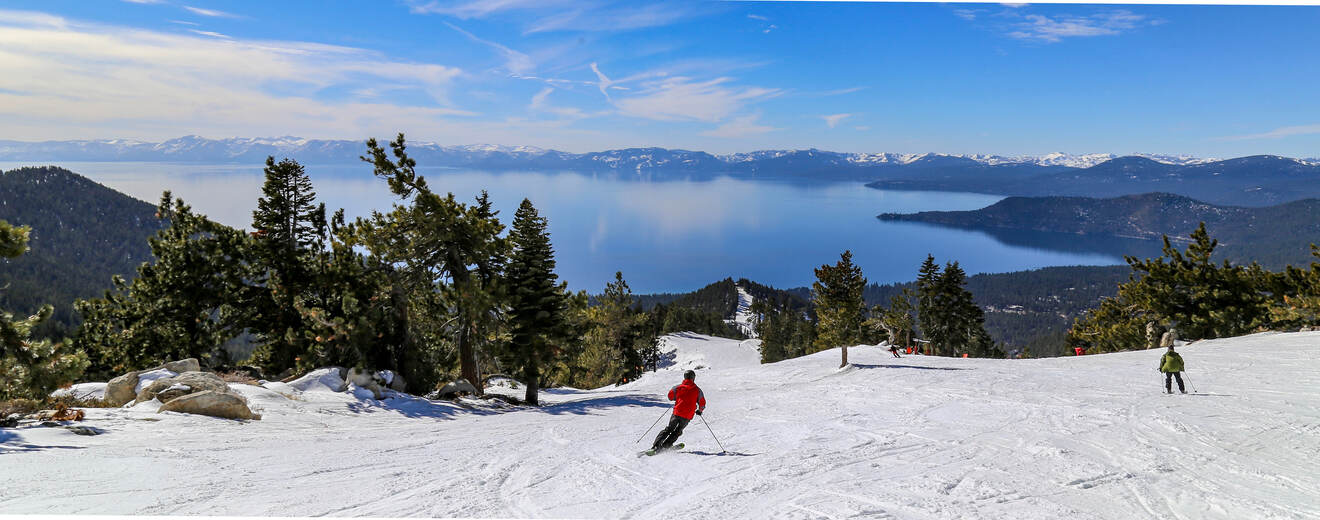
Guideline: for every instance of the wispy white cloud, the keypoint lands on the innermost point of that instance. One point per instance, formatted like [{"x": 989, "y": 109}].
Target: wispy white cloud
[
  {"x": 604, "y": 81},
  {"x": 1277, "y": 133},
  {"x": 967, "y": 14},
  {"x": 516, "y": 62},
  {"x": 210, "y": 12},
  {"x": 211, "y": 34},
  {"x": 685, "y": 99},
  {"x": 181, "y": 22},
  {"x": 469, "y": 9},
  {"x": 150, "y": 84},
  {"x": 842, "y": 91},
  {"x": 743, "y": 126},
  {"x": 1054, "y": 29},
  {"x": 569, "y": 15},
  {"x": 833, "y": 120}
]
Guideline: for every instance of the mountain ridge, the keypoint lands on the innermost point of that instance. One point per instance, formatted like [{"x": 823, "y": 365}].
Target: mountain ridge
[{"x": 193, "y": 148}]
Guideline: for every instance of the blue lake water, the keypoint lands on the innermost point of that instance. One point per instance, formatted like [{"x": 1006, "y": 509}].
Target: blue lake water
[{"x": 664, "y": 236}]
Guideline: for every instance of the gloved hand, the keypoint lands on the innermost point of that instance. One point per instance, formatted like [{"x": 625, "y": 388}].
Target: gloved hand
[{"x": 699, "y": 412}]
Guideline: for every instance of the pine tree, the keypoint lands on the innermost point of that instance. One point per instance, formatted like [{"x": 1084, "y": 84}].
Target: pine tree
[
  {"x": 538, "y": 306},
  {"x": 927, "y": 311},
  {"x": 28, "y": 367},
  {"x": 289, "y": 233},
  {"x": 837, "y": 294},
  {"x": 188, "y": 303},
  {"x": 432, "y": 245},
  {"x": 1185, "y": 290},
  {"x": 610, "y": 345},
  {"x": 896, "y": 321}
]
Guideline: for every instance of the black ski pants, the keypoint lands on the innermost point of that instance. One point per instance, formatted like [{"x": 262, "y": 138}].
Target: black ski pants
[
  {"x": 1168, "y": 381},
  {"x": 670, "y": 433}
]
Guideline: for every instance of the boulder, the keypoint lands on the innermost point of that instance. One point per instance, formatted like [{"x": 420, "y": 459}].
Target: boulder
[
  {"x": 455, "y": 389},
  {"x": 215, "y": 404},
  {"x": 368, "y": 380},
  {"x": 398, "y": 384},
  {"x": 121, "y": 390},
  {"x": 327, "y": 379},
  {"x": 168, "y": 388},
  {"x": 182, "y": 365}
]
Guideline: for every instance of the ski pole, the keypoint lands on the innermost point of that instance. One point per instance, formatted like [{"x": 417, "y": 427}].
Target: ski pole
[
  {"x": 648, "y": 430},
  {"x": 1190, "y": 383},
  {"x": 712, "y": 433}
]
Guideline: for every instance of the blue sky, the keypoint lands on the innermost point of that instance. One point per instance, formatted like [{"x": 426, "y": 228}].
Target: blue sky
[{"x": 584, "y": 75}]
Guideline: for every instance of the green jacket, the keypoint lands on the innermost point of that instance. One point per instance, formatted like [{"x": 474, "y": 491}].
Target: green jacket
[{"x": 1171, "y": 362}]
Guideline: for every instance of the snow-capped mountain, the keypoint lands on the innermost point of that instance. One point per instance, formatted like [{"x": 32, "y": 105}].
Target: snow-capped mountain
[{"x": 194, "y": 148}]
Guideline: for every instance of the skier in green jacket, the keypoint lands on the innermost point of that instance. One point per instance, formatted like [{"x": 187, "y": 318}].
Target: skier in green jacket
[{"x": 1172, "y": 366}]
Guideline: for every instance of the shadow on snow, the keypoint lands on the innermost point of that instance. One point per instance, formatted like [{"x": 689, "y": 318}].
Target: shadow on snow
[
  {"x": 586, "y": 406},
  {"x": 10, "y": 442},
  {"x": 858, "y": 365}
]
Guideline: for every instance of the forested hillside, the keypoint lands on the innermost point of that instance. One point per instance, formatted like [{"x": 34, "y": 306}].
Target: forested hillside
[
  {"x": 1274, "y": 236},
  {"x": 83, "y": 233}
]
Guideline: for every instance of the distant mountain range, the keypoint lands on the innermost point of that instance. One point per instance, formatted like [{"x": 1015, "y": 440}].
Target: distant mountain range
[
  {"x": 1261, "y": 180},
  {"x": 1274, "y": 235},
  {"x": 313, "y": 151}
]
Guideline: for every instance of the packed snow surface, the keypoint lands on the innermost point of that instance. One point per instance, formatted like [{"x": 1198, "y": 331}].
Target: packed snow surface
[
  {"x": 743, "y": 318},
  {"x": 917, "y": 437}
]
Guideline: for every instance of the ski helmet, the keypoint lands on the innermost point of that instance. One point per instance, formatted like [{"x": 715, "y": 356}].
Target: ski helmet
[{"x": 690, "y": 375}]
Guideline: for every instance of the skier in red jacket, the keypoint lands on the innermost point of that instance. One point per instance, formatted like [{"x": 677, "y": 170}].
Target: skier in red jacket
[{"x": 688, "y": 399}]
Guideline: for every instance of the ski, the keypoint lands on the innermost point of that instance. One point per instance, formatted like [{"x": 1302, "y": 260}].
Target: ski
[{"x": 652, "y": 452}]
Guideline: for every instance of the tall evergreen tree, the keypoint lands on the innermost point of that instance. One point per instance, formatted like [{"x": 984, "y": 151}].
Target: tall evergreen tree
[
  {"x": 837, "y": 294},
  {"x": 927, "y": 278},
  {"x": 963, "y": 331},
  {"x": 28, "y": 367},
  {"x": 432, "y": 245},
  {"x": 290, "y": 229},
  {"x": 538, "y": 306}
]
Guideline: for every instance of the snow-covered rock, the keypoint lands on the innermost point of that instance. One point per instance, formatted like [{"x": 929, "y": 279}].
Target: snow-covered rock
[
  {"x": 455, "y": 389},
  {"x": 328, "y": 379},
  {"x": 168, "y": 388}
]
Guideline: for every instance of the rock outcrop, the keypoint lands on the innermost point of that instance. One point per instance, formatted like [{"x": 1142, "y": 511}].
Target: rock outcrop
[
  {"x": 124, "y": 389},
  {"x": 167, "y": 388},
  {"x": 455, "y": 389},
  {"x": 215, "y": 404}
]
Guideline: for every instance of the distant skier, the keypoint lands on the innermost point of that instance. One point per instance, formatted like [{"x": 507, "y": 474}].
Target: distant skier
[
  {"x": 1172, "y": 366},
  {"x": 1079, "y": 351},
  {"x": 688, "y": 399},
  {"x": 893, "y": 349}
]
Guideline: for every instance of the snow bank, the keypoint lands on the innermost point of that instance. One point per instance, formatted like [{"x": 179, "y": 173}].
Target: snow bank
[
  {"x": 320, "y": 380},
  {"x": 82, "y": 391},
  {"x": 924, "y": 437}
]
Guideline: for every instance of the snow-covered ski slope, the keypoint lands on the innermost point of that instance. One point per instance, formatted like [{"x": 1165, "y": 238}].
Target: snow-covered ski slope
[
  {"x": 917, "y": 437},
  {"x": 743, "y": 318}
]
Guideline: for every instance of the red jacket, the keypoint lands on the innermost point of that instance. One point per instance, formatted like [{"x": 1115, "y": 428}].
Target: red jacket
[{"x": 689, "y": 397}]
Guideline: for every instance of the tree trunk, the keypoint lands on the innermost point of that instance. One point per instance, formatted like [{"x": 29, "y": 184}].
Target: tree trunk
[
  {"x": 467, "y": 354},
  {"x": 845, "y": 357},
  {"x": 533, "y": 376}
]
